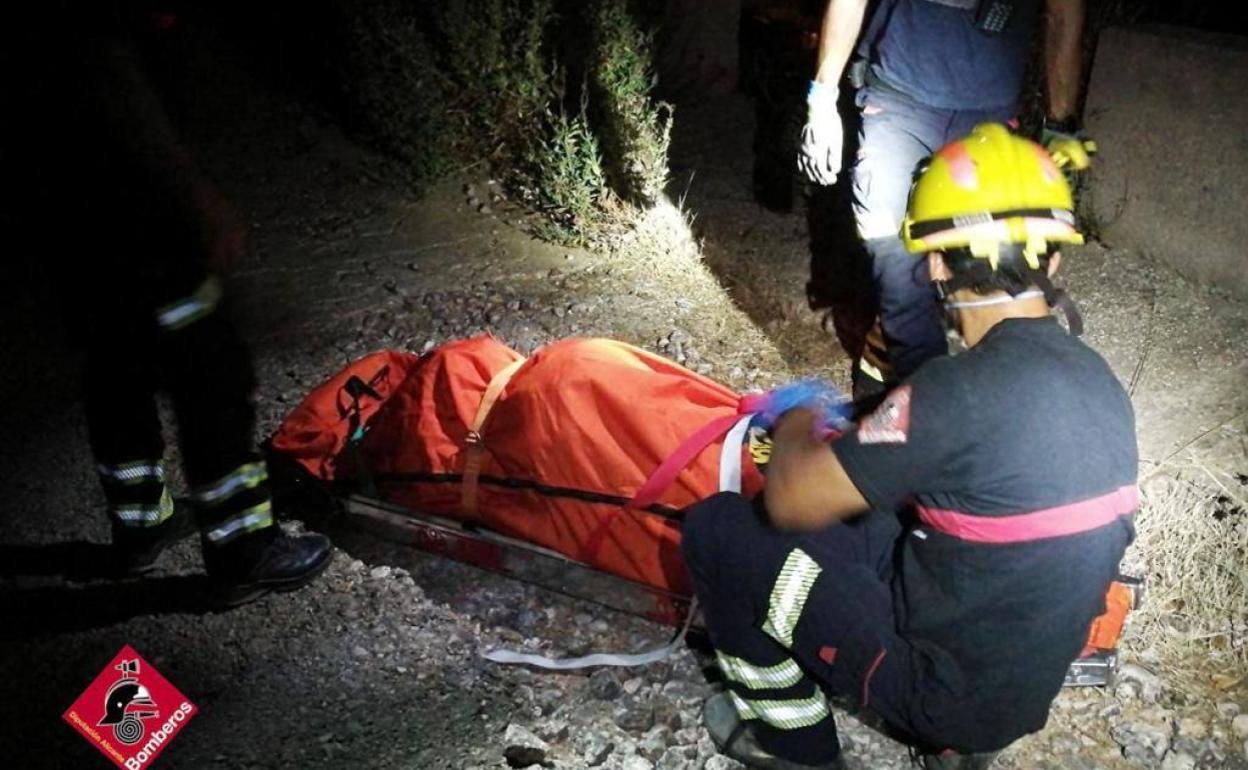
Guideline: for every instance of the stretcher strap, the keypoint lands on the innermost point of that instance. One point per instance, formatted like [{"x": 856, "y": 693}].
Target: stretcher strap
[
  {"x": 665, "y": 475},
  {"x": 626, "y": 660},
  {"x": 475, "y": 448},
  {"x": 730, "y": 456},
  {"x": 735, "y": 425}
]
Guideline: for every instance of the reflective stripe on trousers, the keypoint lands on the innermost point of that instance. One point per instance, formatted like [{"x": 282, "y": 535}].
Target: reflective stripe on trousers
[
  {"x": 793, "y": 714},
  {"x": 235, "y": 504},
  {"x": 136, "y": 492}
]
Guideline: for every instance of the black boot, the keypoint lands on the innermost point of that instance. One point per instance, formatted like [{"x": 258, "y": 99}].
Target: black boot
[
  {"x": 735, "y": 739},
  {"x": 136, "y": 549},
  {"x": 265, "y": 562}
]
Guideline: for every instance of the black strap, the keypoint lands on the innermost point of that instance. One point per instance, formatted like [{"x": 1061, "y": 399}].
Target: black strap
[{"x": 1058, "y": 298}]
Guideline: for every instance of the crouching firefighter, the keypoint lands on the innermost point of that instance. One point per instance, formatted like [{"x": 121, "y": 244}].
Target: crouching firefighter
[{"x": 941, "y": 561}]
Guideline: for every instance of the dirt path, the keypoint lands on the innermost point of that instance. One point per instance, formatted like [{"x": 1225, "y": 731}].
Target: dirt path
[{"x": 376, "y": 665}]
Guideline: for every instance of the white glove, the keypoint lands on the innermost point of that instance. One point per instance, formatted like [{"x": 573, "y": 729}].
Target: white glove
[{"x": 823, "y": 135}]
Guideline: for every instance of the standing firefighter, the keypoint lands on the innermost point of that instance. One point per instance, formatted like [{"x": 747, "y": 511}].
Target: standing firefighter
[
  {"x": 941, "y": 561},
  {"x": 153, "y": 234},
  {"x": 929, "y": 70}
]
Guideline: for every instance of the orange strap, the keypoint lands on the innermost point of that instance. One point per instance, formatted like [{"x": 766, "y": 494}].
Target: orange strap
[{"x": 475, "y": 444}]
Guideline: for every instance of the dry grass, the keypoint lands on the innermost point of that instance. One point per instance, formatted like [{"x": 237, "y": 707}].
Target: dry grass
[
  {"x": 660, "y": 251},
  {"x": 1192, "y": 547}
]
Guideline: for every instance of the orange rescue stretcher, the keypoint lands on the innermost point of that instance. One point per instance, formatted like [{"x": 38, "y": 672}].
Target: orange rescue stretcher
[{"x": 569, "y": 469}]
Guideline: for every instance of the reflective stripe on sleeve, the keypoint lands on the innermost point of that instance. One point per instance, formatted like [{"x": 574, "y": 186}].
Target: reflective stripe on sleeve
[
  {"x": 785, "y": 674},
  {"x": 788, "y": 596},
  {"x": 247, "y": 476},
  {"x": 784, "y": 714},
  {"x": 186, "y": 311},
  {"x": 249, "y": 520}
]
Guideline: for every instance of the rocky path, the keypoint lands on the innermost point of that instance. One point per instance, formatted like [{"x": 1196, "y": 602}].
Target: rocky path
[{"x": 377, "y": 664}]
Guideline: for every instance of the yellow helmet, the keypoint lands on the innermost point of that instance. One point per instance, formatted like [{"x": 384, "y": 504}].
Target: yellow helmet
[{"x": 989, "y": 188}]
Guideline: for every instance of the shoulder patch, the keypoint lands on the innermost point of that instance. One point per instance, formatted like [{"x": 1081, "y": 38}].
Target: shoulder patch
[{"x": 890, "y": 422}]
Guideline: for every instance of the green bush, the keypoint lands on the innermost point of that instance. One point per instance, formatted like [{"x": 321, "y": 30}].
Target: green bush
[
  {"x": 390, "y": 72},
  {"x": 450, "y": 84},
  {"x": 636, "y": 129},
  {"x": 567, "y": 179}
]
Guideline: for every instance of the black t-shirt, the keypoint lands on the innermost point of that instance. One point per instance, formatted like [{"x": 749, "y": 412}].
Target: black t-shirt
[{"x": 1019, "y": 458}]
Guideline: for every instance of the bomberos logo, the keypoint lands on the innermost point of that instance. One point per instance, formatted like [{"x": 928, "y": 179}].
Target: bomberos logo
[{"x": 130, "y": 715}]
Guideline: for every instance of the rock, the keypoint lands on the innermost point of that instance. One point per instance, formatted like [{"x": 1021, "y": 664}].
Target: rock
[
  {"x": 604, "y": 685},
  {"x": 550, "y": 699},
  {"x": 677, "y": 758},
  {"x": 597, "y": 750},
  {"x": 522, "y": 748},
  {"x": 667, "y": 713},
  {"x": 379, "y": 573},
  {"x": 1178, "y": 760},
  {"x": 635, "y": 717},
  {"x": 1142, "y": 744},
  {"x": 720, "y": 762},
  {"x": 552, "y": 730},
  {"x": 1239, "y": 726},
  {"x": 1228, "y": 710},
  {"x": 679, "y": 689},
  {"x": 637, "y": 763},
  {"x": 1064, "y": 743},
  {"x": 631, "y": 686},
  {"x": 706, "y": 746},
  {"x": 655, "y": 743},
  {"x": 1149, "y": 684},
  {"x": 1195, "y": 729}
]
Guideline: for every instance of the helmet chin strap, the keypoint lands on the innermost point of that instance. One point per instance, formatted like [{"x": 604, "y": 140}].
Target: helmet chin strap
[
  {"x": 1054, "y": 297},
  {"x": 999, "y": 300}
]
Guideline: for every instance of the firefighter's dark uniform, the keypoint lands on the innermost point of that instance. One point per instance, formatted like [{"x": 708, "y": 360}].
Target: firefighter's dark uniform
[
  {"x": 1002, "y": 483},
  {"x": 145, "y": 305}
]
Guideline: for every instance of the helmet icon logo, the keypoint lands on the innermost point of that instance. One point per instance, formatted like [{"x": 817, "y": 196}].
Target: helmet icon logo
[{"x": 126, "y": 704}]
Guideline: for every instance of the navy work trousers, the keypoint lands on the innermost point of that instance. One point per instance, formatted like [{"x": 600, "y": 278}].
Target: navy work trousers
[
  {"x": 897, "y": 134},
  {"x": 793, "y": 617}
]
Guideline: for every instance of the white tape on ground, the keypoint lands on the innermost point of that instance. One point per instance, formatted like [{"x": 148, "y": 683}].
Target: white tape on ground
[{"x": 626, "y": 660}]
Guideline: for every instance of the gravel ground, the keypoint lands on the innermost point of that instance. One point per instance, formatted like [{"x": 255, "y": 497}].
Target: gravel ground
[{"x": 376, "y": 664}]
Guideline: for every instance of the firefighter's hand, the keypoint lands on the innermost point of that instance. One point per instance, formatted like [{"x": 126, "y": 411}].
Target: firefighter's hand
[
  {"x": 222, "y": 234},
  {"x": 1070, "y": 148},
  {"x": 823, "y": 135}
]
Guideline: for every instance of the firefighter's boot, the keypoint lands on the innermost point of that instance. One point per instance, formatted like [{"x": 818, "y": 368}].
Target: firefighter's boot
[
  {"x": 735, "y": 739},
  {"x": 264, "y": 562},
  {"x": 136, "y": 549}
]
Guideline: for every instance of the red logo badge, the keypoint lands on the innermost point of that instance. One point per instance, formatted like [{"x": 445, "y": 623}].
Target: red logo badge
[
  {"x": 130, "y": 712},
  {"x": 890, "y": 422}
]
